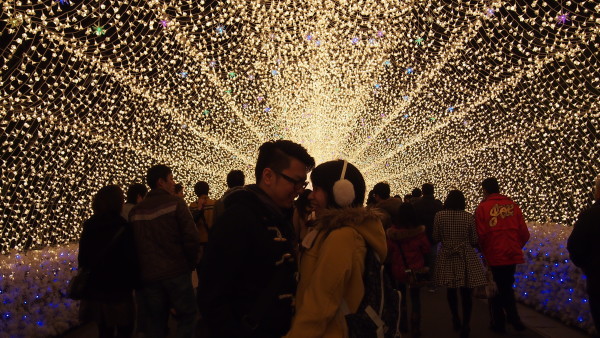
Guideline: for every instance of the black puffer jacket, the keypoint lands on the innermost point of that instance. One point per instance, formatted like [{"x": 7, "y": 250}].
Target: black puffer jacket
[
  {"x": 250, "y": 246},
  {"x": 114, "y": 272}
]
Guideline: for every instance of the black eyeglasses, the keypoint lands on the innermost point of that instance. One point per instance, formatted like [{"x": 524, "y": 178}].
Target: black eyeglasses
[{"x": 297, "y": 183}]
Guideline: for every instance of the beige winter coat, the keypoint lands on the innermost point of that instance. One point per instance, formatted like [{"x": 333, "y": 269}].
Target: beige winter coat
[{"x": 331, "y": 270}]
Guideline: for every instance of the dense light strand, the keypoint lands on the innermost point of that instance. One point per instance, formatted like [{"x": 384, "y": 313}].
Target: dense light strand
[{"x": 94, "y": 92}]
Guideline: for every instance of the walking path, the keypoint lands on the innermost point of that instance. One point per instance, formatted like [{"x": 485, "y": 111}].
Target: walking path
[{"x": 436, "y": 322}]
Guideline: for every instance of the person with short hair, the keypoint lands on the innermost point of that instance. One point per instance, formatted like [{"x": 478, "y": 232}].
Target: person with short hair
[
  {"x": 203, "y": 210},
  {"x": 585, "y": 252},
  {"x": 427, "y": 206},
  {"x": 247, "y": 274},
  {"x": 457, "y": 265},
  {"x": 106, "y": 248},
  {"x": 235, "y": 181},
  {"x": 389, "y": 207},
  {"x": 502, "y": 235},
  {"x": 135, "y": 194},
  {"x": 381, "y": 191},
  {"x": 168, "y": 249},
  {"x": 416, "y": 194}
]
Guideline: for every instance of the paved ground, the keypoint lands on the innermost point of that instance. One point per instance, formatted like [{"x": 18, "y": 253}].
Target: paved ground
[{"x": 436, "y": 322}]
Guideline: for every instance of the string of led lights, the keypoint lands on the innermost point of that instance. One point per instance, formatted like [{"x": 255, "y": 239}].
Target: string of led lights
[{"x": 94, "y": 92}]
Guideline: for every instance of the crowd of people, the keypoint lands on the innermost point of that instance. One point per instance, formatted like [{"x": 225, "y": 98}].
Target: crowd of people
[{"x": 275, "y": 259}]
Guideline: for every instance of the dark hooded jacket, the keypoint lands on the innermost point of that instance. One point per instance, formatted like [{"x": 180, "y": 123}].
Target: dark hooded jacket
[
  {"x": 583, "y": 242},
  {"x": 109, "y": 253},
  {"x": 247, "y": 275}
]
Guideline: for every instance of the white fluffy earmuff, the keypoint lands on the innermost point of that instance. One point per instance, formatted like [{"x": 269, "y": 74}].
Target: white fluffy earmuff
[{"x": 343, "y": 190}]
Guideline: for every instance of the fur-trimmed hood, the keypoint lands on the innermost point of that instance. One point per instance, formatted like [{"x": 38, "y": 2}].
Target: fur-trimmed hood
[{"x": 367, "y": 222}]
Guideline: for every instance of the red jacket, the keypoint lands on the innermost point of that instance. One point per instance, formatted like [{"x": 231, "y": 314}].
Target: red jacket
[
  {"x": 502, "y": 230},
  {"x": 414, "y": 249}
]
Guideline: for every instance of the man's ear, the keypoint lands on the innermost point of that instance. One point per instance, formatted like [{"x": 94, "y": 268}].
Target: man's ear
[
  {"x": 268, "y": 176},
  {"x": 160, "y": 182}
]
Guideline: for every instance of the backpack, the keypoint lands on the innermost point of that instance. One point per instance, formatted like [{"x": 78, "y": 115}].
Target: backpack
[{"x": 378, "y": 314}]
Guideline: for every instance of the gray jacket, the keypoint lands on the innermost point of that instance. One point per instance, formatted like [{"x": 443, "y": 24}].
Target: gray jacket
[{"x": 166, "y": 238}]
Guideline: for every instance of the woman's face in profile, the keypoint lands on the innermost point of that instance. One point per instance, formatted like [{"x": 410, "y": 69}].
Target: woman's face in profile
[{"x": 318, "y": 199}]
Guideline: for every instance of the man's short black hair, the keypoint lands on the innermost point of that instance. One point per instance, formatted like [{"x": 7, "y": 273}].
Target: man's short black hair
[
  {"x": 156, "y": 172},
  {"x": 382, "y": 189},
  {"x": 277, "y": 156},
  {"x": 201, "y": 188},
  {"x": 416, "y": 192},
  {"x": 427, "y": 189},
  {"x": 490, "y": 185},
  {"x": 135, "y": 190},
  {"x": 235, "y": 178}
]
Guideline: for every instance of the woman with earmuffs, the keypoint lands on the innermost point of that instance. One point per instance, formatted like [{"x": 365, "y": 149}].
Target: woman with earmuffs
[{"x": 333, "y": 253}]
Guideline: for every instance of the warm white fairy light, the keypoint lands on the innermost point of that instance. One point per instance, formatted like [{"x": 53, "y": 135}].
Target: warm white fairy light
[{"x": 94, "y": 92}]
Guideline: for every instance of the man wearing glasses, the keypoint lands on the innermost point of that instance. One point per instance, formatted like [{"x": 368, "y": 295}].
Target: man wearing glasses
[{"x": 246, "y": 279}]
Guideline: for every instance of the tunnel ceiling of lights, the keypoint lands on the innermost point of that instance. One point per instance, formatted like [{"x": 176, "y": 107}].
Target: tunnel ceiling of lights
[{"x": 448, "y": 92}]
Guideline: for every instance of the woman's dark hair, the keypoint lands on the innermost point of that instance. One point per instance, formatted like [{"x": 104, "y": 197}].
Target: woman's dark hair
[
  {"x": 427, "y": 189},
  {"x": 201, "y": 188},
  {"x": 302, "y": 203},
  {"x": 108, "y": 199},
  {"x": 455, "y": 200},
  {"x": 326, "y": 174},
  {"x": 407, "y": 216},
  {"x": 490, "y": 185},
  {"x": 156, "y": 172},
  {"x": 178, "y": 188},
  {"x": 135, "y": 190},
  {"x": 417, "y": 192}
]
